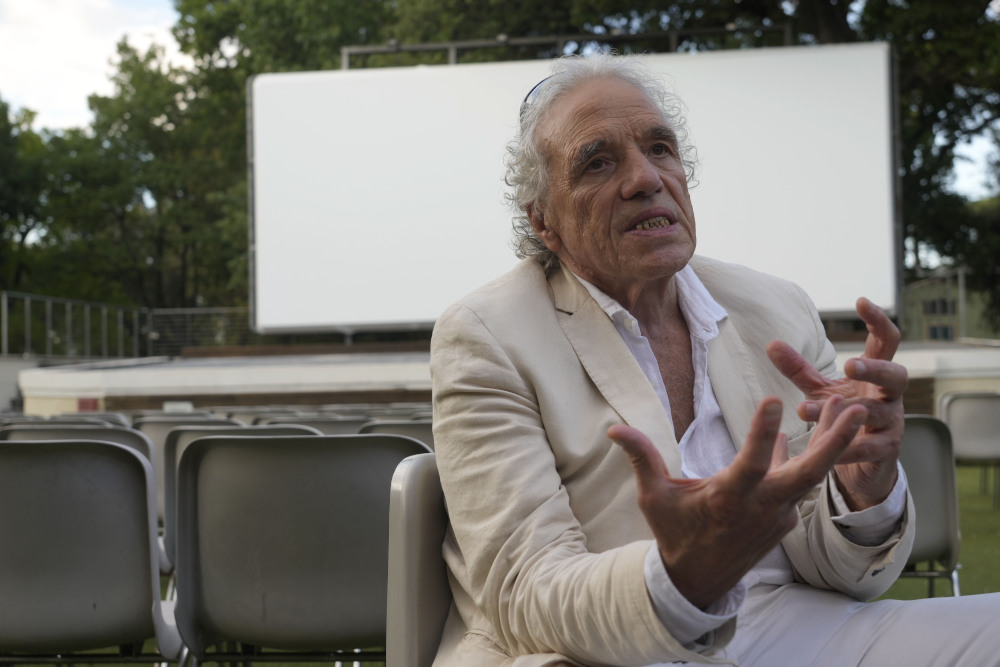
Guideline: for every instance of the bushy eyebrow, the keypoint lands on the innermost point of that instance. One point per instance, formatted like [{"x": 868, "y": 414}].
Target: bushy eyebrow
[
  {"x": 584, "y": 154},
  {"x": 662, "y": 133}
]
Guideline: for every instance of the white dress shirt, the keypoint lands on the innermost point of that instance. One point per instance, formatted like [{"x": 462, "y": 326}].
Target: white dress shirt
[{"x": 706, "y": 448}]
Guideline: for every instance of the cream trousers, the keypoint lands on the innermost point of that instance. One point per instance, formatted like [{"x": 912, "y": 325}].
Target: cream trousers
[{"x": 800, "y": 626}]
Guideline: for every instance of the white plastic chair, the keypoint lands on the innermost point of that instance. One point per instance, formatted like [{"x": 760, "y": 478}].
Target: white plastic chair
[
  {"x": 974, "y": 420},
  {"x": 419, "y": 597},
  {"x": 282, "y": 544},
  {"x": 157, "y": 427},
  {"x": 326, "y": 424},
  {"x": 123, "y": 435},
  {"x": 929, "y": 464},
  {"x": 176, "y": 442},
  {"x": 419, "y": 429},
  {"x": 78, "y": 566}
]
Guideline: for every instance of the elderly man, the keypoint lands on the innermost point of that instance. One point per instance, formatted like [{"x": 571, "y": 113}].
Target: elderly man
[{"x": 649, "y": 457}]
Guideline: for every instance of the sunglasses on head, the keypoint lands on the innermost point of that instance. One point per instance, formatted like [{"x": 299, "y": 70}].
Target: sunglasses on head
[{"x": 529, "y": 99}]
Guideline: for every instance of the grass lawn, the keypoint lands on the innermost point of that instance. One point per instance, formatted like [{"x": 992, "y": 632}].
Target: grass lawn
[{"x": 979, "y": 555}]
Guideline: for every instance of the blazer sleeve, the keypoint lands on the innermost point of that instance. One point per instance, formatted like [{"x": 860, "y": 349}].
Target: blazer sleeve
[
  {"x": 521, "y": 557},
  {"x": 820, "y": 553}
]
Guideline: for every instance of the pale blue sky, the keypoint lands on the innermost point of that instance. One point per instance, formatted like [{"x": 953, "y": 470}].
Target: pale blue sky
[{"x": 55, "y": 53}]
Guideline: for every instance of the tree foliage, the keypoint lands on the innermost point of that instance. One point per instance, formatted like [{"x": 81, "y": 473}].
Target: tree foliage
[
  {"x": 148, "y": 204},
  {"x": 22, "y": 187}
]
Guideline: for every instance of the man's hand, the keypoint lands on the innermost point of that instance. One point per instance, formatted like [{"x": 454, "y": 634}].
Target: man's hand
[
  {"x": 711, "y": 531},
  {"x": 867, "y": 471}
]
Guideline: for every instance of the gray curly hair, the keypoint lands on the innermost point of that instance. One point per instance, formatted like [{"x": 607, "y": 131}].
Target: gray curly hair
[{"x": 527, "y": 175}]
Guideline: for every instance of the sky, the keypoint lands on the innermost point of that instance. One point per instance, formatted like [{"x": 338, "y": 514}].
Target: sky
[{"x": 55, "y": 53}]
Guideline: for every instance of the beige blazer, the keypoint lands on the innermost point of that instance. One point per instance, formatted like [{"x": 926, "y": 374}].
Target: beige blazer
[{"x": 546, "y": 544}]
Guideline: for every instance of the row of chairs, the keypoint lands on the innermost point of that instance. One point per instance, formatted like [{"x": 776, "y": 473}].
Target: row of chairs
[
  {"x": 416, "y": 591},
  {"x": 282, "y": 552},
  {"x": 162, "y": 439}
]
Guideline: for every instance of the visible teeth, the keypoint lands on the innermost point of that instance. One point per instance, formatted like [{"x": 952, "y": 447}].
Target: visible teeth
[{"x": 653, "y": 223}]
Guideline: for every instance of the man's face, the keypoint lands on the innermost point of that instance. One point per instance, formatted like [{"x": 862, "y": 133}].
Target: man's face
[{"x": 617, "y": 212}]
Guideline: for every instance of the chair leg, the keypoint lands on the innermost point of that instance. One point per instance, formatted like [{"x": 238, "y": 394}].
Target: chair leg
[{"x": 954, "y": 583}]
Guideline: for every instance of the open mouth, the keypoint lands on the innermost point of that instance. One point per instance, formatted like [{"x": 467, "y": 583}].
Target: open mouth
[{"x": 659, "y": 222}]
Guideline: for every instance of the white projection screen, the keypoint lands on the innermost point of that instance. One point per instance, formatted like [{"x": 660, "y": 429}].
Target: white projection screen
[{"x": 377, "y": 194}]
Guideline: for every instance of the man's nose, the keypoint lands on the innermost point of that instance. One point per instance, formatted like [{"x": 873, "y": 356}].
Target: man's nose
[{"x": 641, "y": 178}]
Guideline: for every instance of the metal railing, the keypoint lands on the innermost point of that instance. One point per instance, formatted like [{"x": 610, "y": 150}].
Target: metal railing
[
  {"x": 54, "y": 327},
  {"x": 671, "y": 38},
  {"x": 59, "y": 329}
]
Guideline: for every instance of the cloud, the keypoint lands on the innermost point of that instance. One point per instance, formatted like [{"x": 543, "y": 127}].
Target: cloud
[{"x": 55, "y": 53}]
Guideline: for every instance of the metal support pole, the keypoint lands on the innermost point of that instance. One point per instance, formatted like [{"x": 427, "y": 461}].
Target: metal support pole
[
  {"x": 68, "y": 344},
  {"x": 48, "y": 328},
  {"x": 135, "y": 333},
  {"x": 27, "y": 326},
  {"x": 104, "y": 332},
  {"x": 86, "y": 330},
  {"x": 961, "y": 303},
  {"x": 121, "y": 333},
  {"x": 4, "y": 348},
  {"x": 149, "y": 337}
]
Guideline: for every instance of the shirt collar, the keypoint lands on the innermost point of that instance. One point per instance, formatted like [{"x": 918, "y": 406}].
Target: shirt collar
[{"x": 702, "y": 312}]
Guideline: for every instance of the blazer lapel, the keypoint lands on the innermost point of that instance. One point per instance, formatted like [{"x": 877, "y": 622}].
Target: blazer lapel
[
  {"x": 611, "y": 366},
  {"x": 737, "y": 388}
]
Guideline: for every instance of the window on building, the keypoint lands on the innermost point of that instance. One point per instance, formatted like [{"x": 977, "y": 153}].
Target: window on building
[
  {"x": 939, "y": 307},
  {"x": 941, "y": 332}
]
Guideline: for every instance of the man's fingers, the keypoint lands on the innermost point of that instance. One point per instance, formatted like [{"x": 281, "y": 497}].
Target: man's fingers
[
  {"x": 754, "y": 460},
  {"x": 793, "y": 366},
  {"x": 891, "y": 377},
  {"x": 837, "y": 426},
  {"x": 649, "y": 467},
  {"x": 780, "y": 454},
  {"x": 883, "y": 336}
]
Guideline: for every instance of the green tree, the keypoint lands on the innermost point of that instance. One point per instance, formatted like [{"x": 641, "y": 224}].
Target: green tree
[
  {"x": 948, "y": 57},
  {"x": 142, "y": 193},
  {"x": 22, "y": 184}
]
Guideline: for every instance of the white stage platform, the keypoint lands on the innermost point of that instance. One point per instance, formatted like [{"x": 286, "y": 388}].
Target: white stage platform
[{"x": 383, "y": 377}]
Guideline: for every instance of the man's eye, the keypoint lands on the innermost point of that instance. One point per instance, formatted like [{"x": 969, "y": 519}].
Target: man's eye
[
  {"x": 596, "y": 164},
  {"x": 660, "y": 150}
]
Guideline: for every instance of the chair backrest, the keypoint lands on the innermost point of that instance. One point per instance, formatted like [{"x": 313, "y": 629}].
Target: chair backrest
[
  {"x": 79, "y": 419},
  {"x": 974, "y": 421},
  {"x": 249, "y": 414},
  {"x": 157, "y": 427},
  {"x": 419, "y": 596},
  {"x": 326, "y": 424},
  {"x": 19, "y": 419},
  {"x": 178, "y": 440},
  {"x": 929, "y": 464},
  {"x": 283, "y": 542},
  {"x": 419, "y": 429},
  {"x": 112, "y": 417},
  {"x": 122, "y": 435},
  {"x": 78, "y": 565}
]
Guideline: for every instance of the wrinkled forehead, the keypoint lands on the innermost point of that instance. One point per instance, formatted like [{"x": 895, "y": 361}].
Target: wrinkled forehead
[{"x": 595, "y": 110}]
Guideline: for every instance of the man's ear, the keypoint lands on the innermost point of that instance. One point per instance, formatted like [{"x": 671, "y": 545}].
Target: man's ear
[{"x": 545, "y": 232}]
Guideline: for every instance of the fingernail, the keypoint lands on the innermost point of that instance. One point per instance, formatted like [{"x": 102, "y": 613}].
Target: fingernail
[
  {"x": 772, "y": 410},
  {"x": 810, "y": 411},
  {"x": 859, "y": 366}
]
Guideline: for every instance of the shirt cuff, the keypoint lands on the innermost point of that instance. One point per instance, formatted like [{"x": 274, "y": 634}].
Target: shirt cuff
[
  {"x": 688, "y": 624},
  {"x": 872, "y": 526}
]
